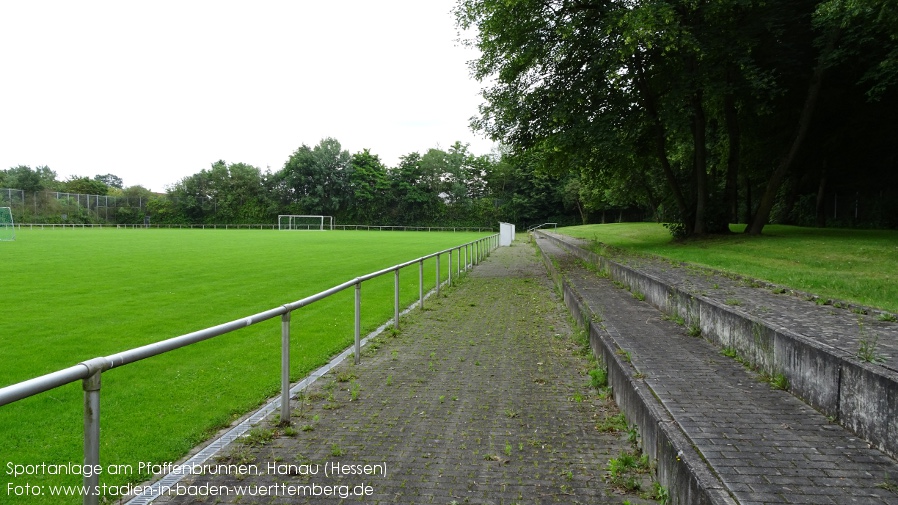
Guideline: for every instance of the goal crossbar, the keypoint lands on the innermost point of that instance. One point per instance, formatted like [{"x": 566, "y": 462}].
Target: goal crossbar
[{"x": 305, "y": 222}]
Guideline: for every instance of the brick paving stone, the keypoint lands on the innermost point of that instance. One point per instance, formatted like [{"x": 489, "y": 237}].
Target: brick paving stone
[
  {"x": 766, "y": 445},
  {"x": 483, "y": 397}
]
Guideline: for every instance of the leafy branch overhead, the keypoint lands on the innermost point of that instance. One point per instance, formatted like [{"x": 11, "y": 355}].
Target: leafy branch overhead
[{"x": 692, "y": 109}]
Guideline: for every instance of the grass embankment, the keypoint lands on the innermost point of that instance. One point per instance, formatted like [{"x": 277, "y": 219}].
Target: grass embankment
[
  {"x": 71, "y": 295},
  {"x": 860, "y": 266}
]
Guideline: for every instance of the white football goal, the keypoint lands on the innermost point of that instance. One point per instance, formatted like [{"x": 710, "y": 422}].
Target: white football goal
[
  {"x": 7, "y": 227},
  {"x": 305, "y": 222}
]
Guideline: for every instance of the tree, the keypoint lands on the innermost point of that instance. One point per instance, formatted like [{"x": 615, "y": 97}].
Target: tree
[
  {"x": 316, "y": 179},
  {"x": 224, "y": 193},
  {"x": 689, "y": 94},
  {"x": 85, "y": 186},
  {"x": 370, "y": 188},
  {"x": 413, "y": 187},
  {"x": 849, "y": 44},
  {"x": 22, "y": 177},
  {"x": 113, "y": 181}
]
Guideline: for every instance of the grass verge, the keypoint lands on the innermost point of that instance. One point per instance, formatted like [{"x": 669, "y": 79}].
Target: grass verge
[{"x": 859, "y": 266}]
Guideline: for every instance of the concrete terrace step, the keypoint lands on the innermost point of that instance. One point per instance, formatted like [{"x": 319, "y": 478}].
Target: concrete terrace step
[
  {"x": 719, "y": 434},
  {"x": 813, "y": 346}
]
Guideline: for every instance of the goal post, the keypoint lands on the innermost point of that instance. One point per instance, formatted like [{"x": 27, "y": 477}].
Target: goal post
[
  {"x": 7, "y": 227},
  {"x": 305, "y": 222}
]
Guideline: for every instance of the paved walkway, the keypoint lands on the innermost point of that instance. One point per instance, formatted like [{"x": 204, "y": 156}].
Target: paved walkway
[
  {"x": 765, "y": 445},
  {"x": 483, "y": 397}
]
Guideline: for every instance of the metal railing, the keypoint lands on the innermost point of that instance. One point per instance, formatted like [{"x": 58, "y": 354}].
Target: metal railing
[
  {"x": 538, "y": 226},
  {"x": 90, "y": 371},
  {"x": 263, "y": 226}
]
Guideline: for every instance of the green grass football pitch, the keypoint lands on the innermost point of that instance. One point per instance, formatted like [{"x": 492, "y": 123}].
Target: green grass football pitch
[{"x": 71, "y": 295}]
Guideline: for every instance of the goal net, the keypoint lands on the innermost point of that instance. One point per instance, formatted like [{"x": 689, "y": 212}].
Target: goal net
[
  {"x": 7, "y": 227},
  {"x": 305, "y": 222}
]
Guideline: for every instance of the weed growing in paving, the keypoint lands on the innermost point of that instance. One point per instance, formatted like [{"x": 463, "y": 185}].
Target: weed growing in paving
[
  {"x": 625, "y": 355},
  {"x": 626, "y": 471},
  {"x": 598, "y": 378},
  {"x": 660, "y": 493},
  {"x": 612, "y": 424},
  {"x": 346, "y": 376},
  {"x": 778, "y": 381},
  {"x": 888, "y": 485},
  {"x": 257, "y": 437},
  {"x": 868, "y": 350},
  {"x": 676, "y": 318},
  {"x": 886, "y": 317}
]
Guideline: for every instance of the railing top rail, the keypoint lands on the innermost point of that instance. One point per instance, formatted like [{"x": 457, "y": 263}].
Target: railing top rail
[
  {"x": 536, "y": 227},
  {"x": 85, "y": 369}
]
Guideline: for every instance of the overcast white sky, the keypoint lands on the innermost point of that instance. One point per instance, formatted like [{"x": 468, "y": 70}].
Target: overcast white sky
[{"x": 154, "y": 91}]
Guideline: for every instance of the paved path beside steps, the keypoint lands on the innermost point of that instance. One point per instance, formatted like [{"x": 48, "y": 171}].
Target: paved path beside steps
[{"x": 482, "y": 398}]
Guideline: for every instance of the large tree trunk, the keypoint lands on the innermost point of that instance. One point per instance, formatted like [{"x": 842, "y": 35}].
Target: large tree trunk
[
  {"x": 650, "y": 195},
  {"x": 659, "y": 135},
  {"x": 582, "y": 211},
  {"x": 785, "y": 216},
  {"x": 731, "y": 116},
  {"x": 767, "y": 199},
  {"x": 700, "y": 159}
]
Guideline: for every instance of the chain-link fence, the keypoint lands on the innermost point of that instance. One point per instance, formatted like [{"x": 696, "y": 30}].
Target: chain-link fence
[{"x": 61, "y": 207}]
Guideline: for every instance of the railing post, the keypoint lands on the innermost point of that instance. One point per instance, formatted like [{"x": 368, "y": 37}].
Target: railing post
[
  {"x": 396, "y": 302},
  {"x": 358, "y": 322},
  {"x": 421, "y": 284},
  {"x": 91, "y": 386},
  {"x": 438, "y": 273},
  {"x": 285, "y": 368},
  {"x": 450, "y": 267}
]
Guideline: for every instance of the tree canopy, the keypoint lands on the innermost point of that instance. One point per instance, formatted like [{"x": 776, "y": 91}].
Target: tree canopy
[{"x": 681, "y": 105}]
